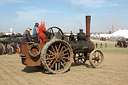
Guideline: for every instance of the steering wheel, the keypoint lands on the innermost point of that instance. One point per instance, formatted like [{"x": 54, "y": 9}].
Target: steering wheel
[{"x": 54, "y": 30}]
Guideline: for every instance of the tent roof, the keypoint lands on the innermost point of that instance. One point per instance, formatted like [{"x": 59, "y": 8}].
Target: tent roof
[{"x": 121, "y": 33}]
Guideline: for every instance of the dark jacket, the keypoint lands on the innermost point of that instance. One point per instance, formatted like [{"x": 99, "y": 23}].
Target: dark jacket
[{"x": 27, "y": 37}]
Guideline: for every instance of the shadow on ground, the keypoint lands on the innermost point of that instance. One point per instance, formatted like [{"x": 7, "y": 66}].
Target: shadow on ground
[
  {"x": 34, "y": 69},
  {"x": 85, "y": 64},
  {"x": 41, "y": 69}
]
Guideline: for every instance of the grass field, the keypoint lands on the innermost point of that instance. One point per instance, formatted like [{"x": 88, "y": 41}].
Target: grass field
[{"x": 110, "y": 47}]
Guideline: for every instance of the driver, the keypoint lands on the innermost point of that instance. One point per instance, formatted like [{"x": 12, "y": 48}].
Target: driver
[{"x": 42, "y": 32}]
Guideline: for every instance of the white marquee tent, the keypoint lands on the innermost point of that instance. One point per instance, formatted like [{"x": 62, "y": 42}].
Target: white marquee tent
[
  {"x": 121, "y": 33},
  {"x": 117, "y": 34}
]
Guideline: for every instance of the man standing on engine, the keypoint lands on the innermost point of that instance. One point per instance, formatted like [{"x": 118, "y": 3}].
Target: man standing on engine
[{"x": 42, "y": 32}]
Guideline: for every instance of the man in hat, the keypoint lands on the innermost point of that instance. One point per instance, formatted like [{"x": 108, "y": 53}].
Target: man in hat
[{"x": 27, "y": 36}]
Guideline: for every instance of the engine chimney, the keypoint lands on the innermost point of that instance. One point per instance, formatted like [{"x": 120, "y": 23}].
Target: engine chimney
[{"x": 88, "y": 20}]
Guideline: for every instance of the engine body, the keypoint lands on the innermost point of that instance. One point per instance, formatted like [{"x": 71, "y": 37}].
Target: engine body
[{"x": 80, "y": 44}]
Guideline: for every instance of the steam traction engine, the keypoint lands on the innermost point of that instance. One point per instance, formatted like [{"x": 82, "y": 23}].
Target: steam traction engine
[
  {"x": 14, "y": 40},
  {"x": 57, "y": 54}
]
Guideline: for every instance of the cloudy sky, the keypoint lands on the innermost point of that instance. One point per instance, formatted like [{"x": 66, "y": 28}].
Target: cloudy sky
[{"x": 66, "y": 14}]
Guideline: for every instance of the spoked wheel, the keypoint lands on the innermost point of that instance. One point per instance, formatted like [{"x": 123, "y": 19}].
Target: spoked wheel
[
  {"x": 57, "y": 56},
  {"x": 2, "y": 48},
  {"x": 79, "y": 58},
  {"x": 96, "y": 58},
  {"x": 12, "y": 49}
]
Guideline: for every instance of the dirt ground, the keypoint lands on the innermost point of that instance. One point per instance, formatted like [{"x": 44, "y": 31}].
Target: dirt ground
[{"x": 113, "y": 72}]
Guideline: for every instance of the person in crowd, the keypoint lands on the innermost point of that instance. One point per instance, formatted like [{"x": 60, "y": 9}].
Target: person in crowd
[
  {"x": 26, "y": 35},
  {"x": 42, "y": 33},
  {"x": 105, "y": 45},
  {"x": 100, "y": 45},
  {"x": 35, "y": 33},
  {"x": 96, "y": 45},
  {"x": 9, "y": 48},
  {"x": 124, "y": 43}
]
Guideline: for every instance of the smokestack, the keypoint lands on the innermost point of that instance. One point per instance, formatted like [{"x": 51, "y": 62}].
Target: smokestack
[{"x": 88, "y": 20}]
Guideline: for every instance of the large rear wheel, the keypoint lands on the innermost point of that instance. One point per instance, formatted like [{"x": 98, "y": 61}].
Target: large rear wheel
[{"x": 57, "y": 56}]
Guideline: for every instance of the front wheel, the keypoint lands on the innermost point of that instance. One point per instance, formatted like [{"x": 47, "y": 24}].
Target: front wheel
[{"x": 96, "y": 58}]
